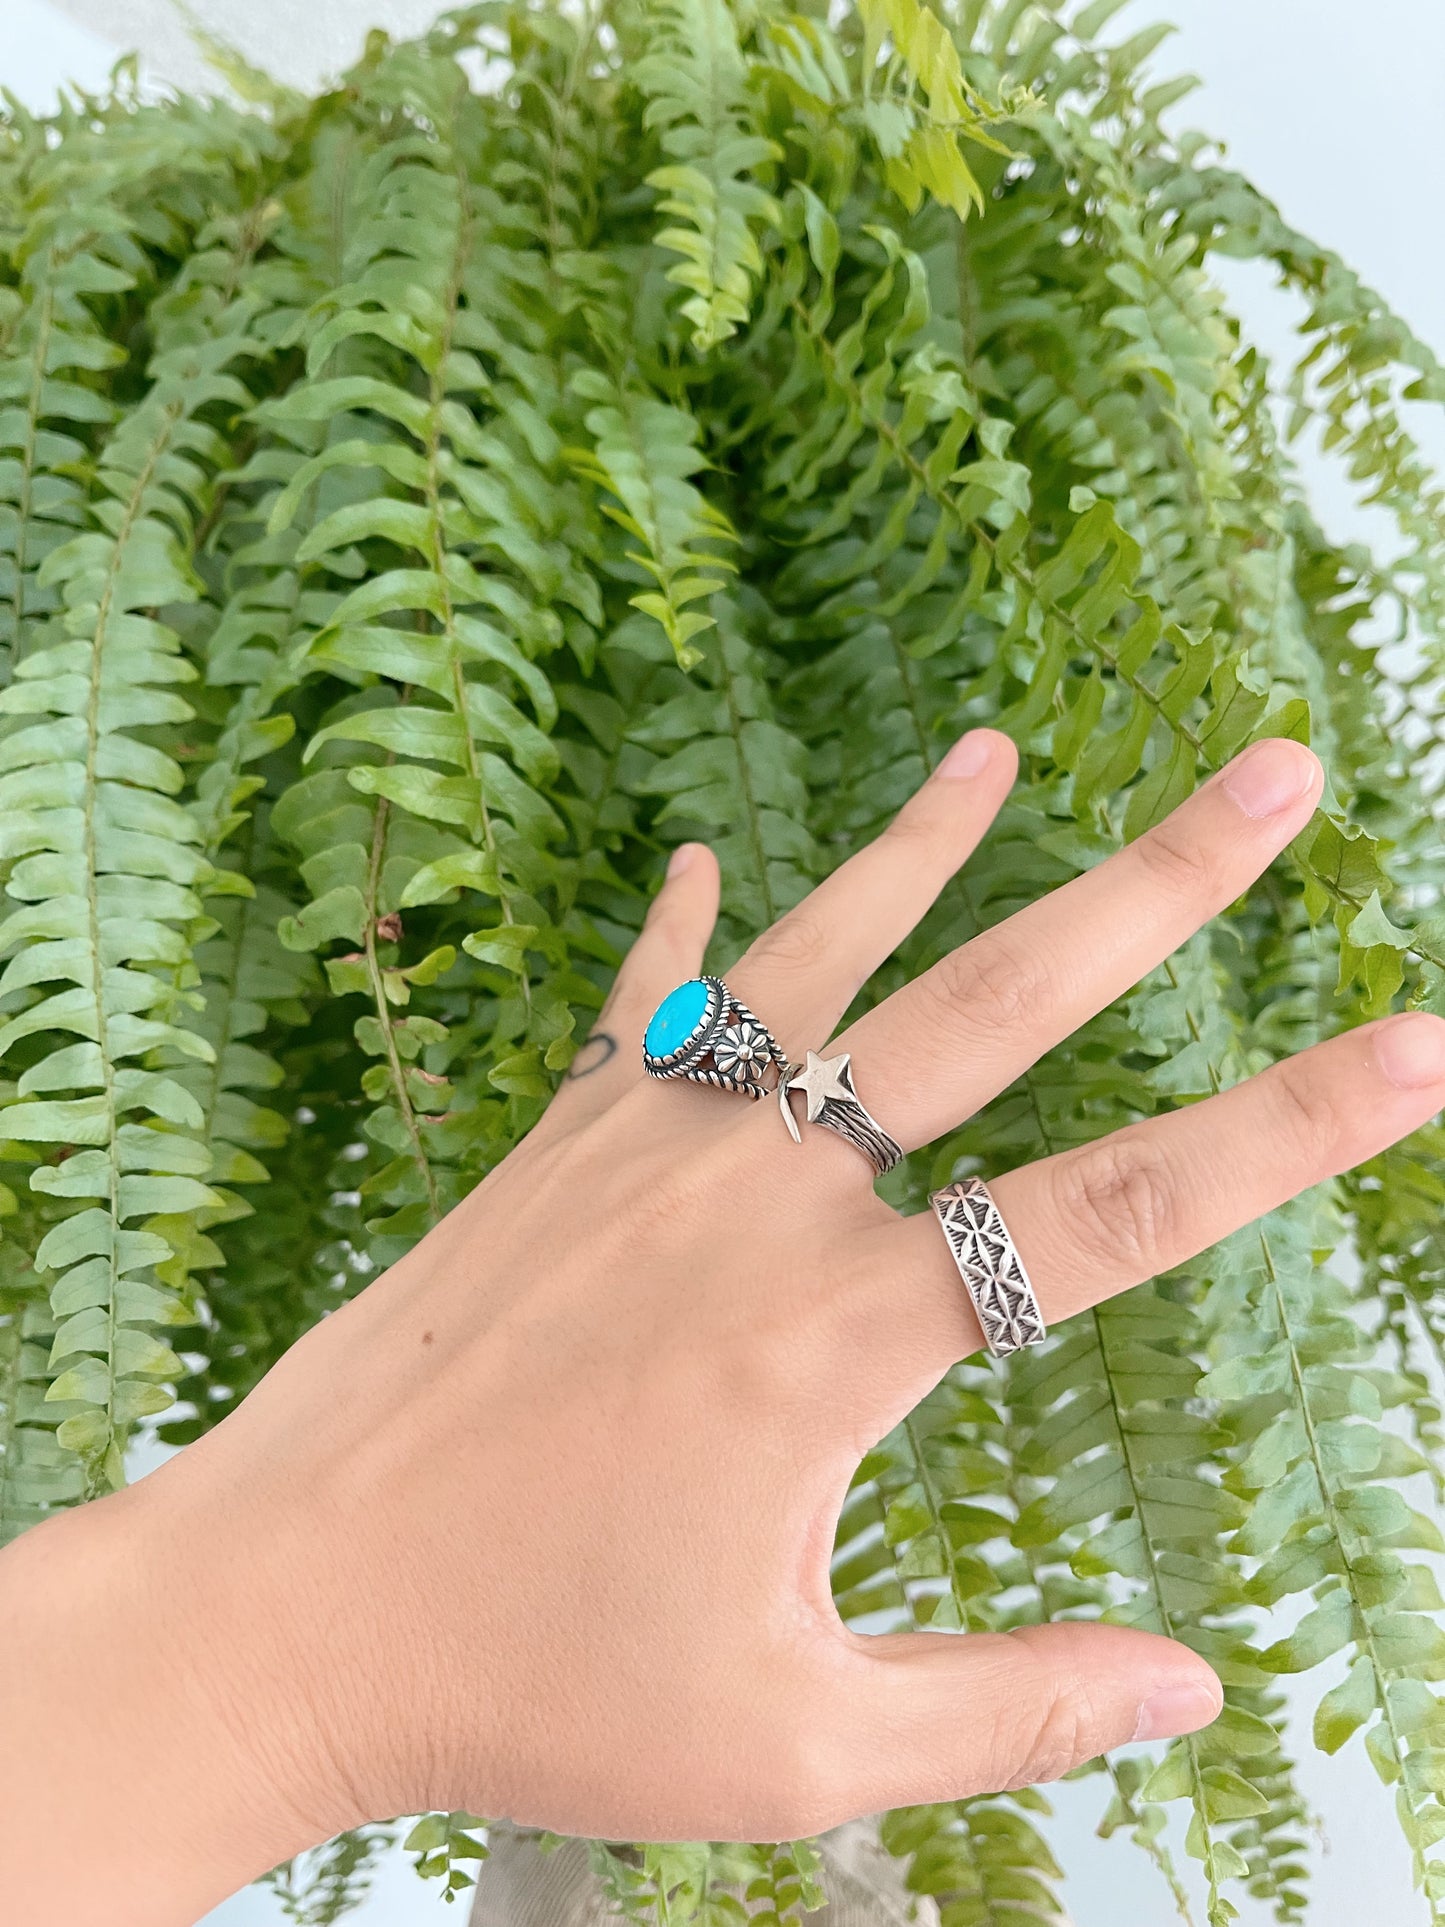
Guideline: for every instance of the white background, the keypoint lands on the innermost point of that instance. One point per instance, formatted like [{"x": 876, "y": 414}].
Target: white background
[{"x": 1338, "y": 111}]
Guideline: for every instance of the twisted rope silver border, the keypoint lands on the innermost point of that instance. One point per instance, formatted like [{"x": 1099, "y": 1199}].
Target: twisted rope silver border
[
  {"x": 990, "y": 1266},
  {"x": 689, "y": 1059}
]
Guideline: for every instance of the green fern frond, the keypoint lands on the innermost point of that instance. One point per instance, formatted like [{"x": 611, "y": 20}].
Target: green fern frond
[
  {"x": 695, "y": 81},
  {"x": 919, "y": 135},
  {"x": 643, "y": 453},
  {"x": 104, "y": 859}
]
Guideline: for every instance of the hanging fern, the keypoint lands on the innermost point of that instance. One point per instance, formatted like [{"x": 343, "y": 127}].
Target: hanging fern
[{"x": 420, "y": 508}]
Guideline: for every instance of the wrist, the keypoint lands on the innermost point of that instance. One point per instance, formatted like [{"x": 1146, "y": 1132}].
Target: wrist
[{"x": 152, "y": 1697}]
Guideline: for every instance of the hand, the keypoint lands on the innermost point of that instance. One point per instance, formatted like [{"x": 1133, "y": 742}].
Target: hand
[{"x": 539, "y": 1525}]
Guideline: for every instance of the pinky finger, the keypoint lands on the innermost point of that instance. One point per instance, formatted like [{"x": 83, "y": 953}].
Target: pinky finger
[{"x": 669, "y": 949}]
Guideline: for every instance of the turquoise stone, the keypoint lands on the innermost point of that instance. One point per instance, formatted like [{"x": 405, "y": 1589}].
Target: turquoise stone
[{"x": 676, "y": 1018}]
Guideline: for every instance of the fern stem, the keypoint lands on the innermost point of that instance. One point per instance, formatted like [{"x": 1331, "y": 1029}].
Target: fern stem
[
  {"x": 1138, "y": 1505},
  {"x": 586, "y": 30},
  {"x": 451, "y": 301},
  {"x": 107, "y": 1467},
  {"x": 381, "y": 1004},
  {"x": 751, "y": 810},
  {"x": 27, "y": 474},
  {"x": 940, "y": 1525},
  {"x": 1166, "y": 1620},
  {"x": 1150, "y": 1845},
  {"x": 1342, "y": 1534}
]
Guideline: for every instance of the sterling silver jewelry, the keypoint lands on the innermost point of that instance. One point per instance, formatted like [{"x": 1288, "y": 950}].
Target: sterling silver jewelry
[
  {"x": 827, "y": 1084},
  {"x": 990, "y": 1266},
  {"x": 700, "y": 1031}
]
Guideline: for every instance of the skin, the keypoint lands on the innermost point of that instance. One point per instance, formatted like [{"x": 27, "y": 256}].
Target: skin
[{"x": 539, "y": 1525}]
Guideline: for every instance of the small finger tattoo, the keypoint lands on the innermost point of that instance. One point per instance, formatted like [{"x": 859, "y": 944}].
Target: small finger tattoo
[{"x": 600, "y": 1049}]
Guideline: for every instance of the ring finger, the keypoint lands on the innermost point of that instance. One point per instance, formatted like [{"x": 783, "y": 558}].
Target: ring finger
[{"x": 1093, "y": 1221}]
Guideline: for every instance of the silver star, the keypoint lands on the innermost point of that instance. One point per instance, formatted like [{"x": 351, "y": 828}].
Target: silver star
[{"x": 822, "y": 1078}]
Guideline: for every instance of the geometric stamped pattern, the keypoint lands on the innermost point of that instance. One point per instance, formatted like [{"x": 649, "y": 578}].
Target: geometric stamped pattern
[{"x": 990, "y": 1266}]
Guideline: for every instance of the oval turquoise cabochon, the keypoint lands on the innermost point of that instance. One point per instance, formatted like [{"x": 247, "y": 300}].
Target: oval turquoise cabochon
[{"x": 676, "y": 1018}]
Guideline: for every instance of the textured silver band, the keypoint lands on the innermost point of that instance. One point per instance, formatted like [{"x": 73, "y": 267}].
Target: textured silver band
[
  {"x": 990, "y": 1266},
  {"x": 730, "y": 1048},
  {"x": 827, "y": 1084}
]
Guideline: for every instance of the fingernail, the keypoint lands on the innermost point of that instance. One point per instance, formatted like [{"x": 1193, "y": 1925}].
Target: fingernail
[
  {"x": 1173, "y": 1710},
  {"x": 1410, "y": 1051},
  {"x": 1269, "y": 776},
  {"x": 967, "y": 757},
  {"x": 679, "y": 860}
]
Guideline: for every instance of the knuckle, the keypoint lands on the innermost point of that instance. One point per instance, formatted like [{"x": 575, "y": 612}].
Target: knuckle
[
  {"x": 1118, "y": 1200},
  {"x": 797, "y": 941},
  {"x": 917, "y": 823},
  {"x": 1064, "y": 1737},
  {"x": 993, "y": 982},
  {"x": 666, "y": 920},
  {"x": 1311, "y": 1115},
  {"x": 805, "y": 1800},
  {"x": 1176, "y": 858}
]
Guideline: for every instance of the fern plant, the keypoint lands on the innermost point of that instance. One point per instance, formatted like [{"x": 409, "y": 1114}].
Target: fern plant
[{"x": 423, "y": 505}]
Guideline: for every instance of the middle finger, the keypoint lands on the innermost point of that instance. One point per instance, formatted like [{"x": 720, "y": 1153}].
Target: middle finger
[{"x": 962, "y": 1032}]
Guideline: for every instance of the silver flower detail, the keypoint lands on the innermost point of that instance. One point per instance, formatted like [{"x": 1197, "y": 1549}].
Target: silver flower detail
[{"x": 742, "y": 1051}]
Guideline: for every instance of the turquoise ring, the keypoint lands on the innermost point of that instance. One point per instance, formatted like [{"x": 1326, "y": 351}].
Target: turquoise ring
[{"x": 700, "y": 1031}]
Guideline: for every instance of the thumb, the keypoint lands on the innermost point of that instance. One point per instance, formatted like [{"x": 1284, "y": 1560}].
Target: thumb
[
  {"x": 669, "y": 949},
  {"x": 938, "y": 1716}
]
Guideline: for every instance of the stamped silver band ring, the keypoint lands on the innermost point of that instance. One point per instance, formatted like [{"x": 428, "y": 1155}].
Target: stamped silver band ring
[
  {"x": 990, "y": 1266},
  {"x": 700, "y": 1031},
  {"x": 827, "y": 1084}
]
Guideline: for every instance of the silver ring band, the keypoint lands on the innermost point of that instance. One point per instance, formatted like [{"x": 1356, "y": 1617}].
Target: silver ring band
[
  {"x": 700, "y": 1031},
  {"x": 990, "y": 1266},
  {"x": 827, "y": 1084}
]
